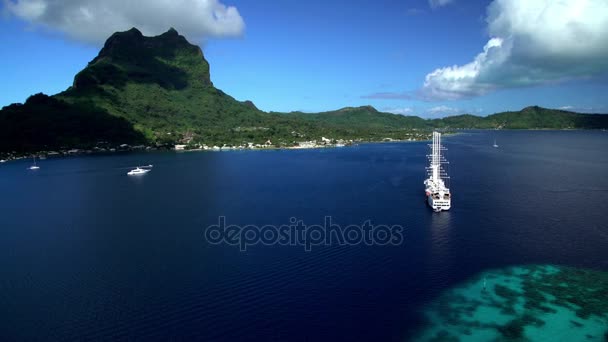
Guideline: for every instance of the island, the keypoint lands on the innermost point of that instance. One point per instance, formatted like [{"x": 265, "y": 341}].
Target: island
[{"x": 156, "y": 93}]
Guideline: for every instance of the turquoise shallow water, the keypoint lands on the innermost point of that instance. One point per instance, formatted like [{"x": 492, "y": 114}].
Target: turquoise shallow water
[{"x": 529, "y": 303}]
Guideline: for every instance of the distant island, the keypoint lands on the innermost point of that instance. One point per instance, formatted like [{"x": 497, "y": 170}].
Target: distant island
[{"x": 154, "y": 92}]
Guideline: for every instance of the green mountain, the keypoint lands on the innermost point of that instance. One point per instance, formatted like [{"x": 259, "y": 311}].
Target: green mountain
[
  {"x": 533, "y": 117},
  {"x": 159, "y": 90},
  {"x": 528, "y": 118},
  {"x": 542, "y": 118},
  {"x": 365, "y": 117},
  {"x": 162, "y": 85}
]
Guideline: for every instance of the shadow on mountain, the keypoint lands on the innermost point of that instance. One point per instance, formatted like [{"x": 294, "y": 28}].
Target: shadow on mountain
[
  {"x": 46, "y": 123},
  {"x": 104, "y": 73}
]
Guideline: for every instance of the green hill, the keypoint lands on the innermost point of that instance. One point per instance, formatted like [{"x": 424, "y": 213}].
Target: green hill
[
  {"x": 46, "y": 123},
  {"x": 163, "y": 87},
  {"x": 533, "y": 117},
  {"x": 158, "y": 90},
  {"x": 365, "y": 117},
  {"x": 542, "y": 118}
]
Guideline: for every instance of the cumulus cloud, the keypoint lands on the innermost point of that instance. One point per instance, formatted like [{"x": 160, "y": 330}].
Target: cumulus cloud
[
  {"x": 399, "y": 110},
  {"x": 439, "y": 3},
  {"x": 95, "y": 20},
  {"x": 532, "y": 43},
  {"x": 442, "y": 110}
]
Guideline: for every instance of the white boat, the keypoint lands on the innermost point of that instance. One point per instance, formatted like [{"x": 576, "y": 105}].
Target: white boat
[
  {"x": 139, "y": 171},
  {"x": 438, "y": 194},
  {"x": 34, "y": 167},
  {"x": 2, "y": 161},
  {"x": 496, "y": 146}
]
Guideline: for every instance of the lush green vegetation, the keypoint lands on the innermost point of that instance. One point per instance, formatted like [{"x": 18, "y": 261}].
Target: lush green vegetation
[
  {"x": 528, "y": 118},
  {"x": 158, "y": 90},
  {"x": 162, "y": 85},
  {"x": 361, "y": 118},
  {"x": 44, "y": 123}
]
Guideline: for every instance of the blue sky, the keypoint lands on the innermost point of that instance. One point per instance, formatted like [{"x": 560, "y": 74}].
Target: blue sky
[{"x": 427, "y": 58}]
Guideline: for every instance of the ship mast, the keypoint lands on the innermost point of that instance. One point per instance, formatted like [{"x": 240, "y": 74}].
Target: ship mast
[
  {"x": 436, "y": 156},
  {"x": 438, "y": 195},
  {"x": 436, "y": 172}
]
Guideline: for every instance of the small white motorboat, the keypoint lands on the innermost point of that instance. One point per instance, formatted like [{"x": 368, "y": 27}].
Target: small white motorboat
[{"x": 138, "y": 171}]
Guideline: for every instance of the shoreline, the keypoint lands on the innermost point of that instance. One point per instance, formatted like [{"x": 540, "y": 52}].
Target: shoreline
[
  {"x": 113, "y": 151},
  {"x": 306, "y": 145}
]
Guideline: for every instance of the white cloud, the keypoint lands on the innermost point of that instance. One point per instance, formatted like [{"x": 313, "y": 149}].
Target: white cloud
[
  {"x": 95, "y": 20},
  {"x": 439, "y": 3},
  {"x": 442, "y": 110},
  {"x": 399, "y": 110},
  {"x": 455, "y": 82},
  {"x": 429, "y": 113},
  {"x": 532, "y": 43},
  {"x": 585, "y": 109}
]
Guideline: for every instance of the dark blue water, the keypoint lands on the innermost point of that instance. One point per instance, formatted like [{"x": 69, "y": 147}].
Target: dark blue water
[{"x": 89, "y": 253}]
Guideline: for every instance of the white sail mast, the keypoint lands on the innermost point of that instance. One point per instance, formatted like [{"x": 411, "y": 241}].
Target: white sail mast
[
  {"x": 436, "y": 156},
  {"x": 438, "y": 195}
]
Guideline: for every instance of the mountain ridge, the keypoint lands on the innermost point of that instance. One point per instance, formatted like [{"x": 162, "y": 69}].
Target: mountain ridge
[{"x": 160, "y": 90}]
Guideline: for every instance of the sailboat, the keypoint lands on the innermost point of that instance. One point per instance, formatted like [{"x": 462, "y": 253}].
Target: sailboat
[
  {"x": 496, "y": 146},
  {"x": 34, "y": 167},
  {"x": 438, "y": 195}
]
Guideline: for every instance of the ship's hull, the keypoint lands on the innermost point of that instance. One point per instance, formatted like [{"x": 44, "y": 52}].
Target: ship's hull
[{"x": 438, "y": 204}]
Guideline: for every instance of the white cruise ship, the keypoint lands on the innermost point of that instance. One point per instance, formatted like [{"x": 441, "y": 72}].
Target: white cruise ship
[{"x": 437, "y": 193}]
